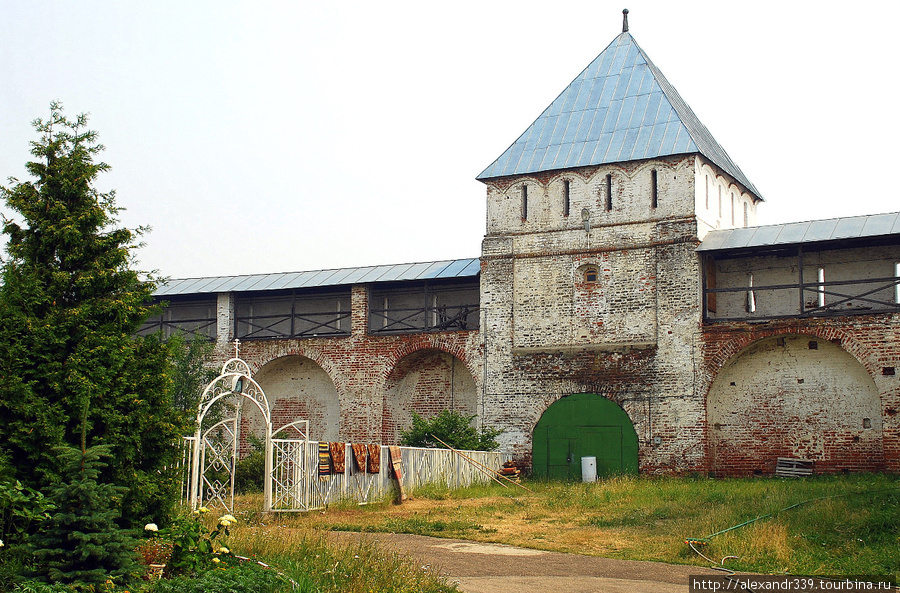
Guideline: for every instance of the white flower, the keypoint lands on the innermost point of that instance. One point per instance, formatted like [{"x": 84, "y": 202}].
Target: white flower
[
  {"x": 151, "y": 527},
  {"x": 202, "y": 510},
  {"x": 216, "y": 560},
  {"x": 1, "y": 543},
  {"x": 227, "y": 520},
  {"x": 224, "y": 550}
]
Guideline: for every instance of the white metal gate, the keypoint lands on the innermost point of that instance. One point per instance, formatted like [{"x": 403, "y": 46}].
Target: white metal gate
[
  {"x": 290, "y": 475},
  {"x": 218, "y": 455}
]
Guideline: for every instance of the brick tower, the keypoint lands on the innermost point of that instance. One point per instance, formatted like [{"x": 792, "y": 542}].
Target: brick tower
[{"x": 590, "y": 281}]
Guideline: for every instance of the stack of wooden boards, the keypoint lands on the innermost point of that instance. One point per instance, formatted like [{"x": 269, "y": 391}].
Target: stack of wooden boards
[{"x": 511, "y": 470}]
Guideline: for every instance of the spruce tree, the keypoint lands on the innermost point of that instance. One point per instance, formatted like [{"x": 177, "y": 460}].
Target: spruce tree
[
  {"x": 80, "y": 544},
  {"x": 70, "y": 306}
]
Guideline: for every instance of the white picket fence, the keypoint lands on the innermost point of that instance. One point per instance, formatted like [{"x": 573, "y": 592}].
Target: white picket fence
[
  {"x": 298, "y": 487},
  {"x": 292, "y": 481}
]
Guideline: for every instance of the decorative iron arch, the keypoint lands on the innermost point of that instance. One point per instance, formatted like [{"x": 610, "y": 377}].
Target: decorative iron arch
[{"x": 235, "y": 380}]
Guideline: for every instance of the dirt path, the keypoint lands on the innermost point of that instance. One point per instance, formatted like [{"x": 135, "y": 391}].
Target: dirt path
[{"x": 494, "y": 568}]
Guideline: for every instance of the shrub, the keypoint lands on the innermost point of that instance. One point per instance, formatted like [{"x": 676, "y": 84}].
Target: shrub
[
  {"x": 248, "y": 472},
  {"x": 453, "y": 428},
  {"x": 243, "y": 577},
  {"x": 38, "y": 587},
  {"x": 22, "y": 509},
  {"x": 194, "y": 546}
]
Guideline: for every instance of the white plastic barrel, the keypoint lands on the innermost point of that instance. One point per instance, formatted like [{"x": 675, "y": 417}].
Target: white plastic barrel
[{"x": 588, "y": 469}]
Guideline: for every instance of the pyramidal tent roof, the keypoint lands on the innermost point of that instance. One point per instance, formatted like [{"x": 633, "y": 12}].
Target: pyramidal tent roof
[{"x": 620, "y": 108}]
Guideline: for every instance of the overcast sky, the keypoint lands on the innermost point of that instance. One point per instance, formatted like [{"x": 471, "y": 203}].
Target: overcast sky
[{"x": 283, "y": 136}]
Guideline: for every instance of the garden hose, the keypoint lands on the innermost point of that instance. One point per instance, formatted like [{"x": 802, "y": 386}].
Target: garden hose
[
  {"x": 703, "y": 541},
  {"x": 721, "y": 565},
  {"x": 693, "y": 542}
]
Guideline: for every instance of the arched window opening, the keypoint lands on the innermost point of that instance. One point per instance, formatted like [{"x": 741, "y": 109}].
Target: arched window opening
[
  {"x": 524, "y": 202},
  {"x": 609, "y": 201},
  {"x": 707, "y": 191}
]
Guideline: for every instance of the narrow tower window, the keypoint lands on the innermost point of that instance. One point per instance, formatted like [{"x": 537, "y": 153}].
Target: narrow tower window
[
  {"x": 608, "y": 193},
  {"x": 707, "y": 191},
  {"x": 720, "y": 202},
  {"x": 654, "y": 189},
  {"x": 732, "y": 208},
  {"x": 524, "y": 202},
  {"x": 566, "y": 197},
  {"x": 746, "y": 214}
]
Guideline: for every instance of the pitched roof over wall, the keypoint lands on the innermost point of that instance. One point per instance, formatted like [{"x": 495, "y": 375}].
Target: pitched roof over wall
[
  {"x": 456, "y": 268},
  {"x": 620, "y": 108},
  {"x": 812, "y": 231}
]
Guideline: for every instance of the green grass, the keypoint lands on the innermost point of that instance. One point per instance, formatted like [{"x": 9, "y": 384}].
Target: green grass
[
  {"x": 298, "y": 565},
  {"x": 319, "y": 567},
  {"x": 418, "y": 526},
  {"x": 299, "y": 561},
  {"x": 847, "y": 525}
]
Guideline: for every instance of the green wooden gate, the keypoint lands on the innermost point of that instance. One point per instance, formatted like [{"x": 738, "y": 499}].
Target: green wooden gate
[{"x": 584, "y": 425}]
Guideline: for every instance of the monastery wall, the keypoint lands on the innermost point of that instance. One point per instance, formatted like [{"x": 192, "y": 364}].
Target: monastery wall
[
  {"x": 362, "y": 388},
  {"x": 820, "y": 389},
  {"x": 858, "y": 264},
  {"x": 591, "y": 284}
]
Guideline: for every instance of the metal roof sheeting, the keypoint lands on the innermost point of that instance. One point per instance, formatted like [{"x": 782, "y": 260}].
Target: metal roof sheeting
[
  {"x": 813, "y": 231},
  {"x": 620, "y": 108},
  {"x": 455, "y": 268}
]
